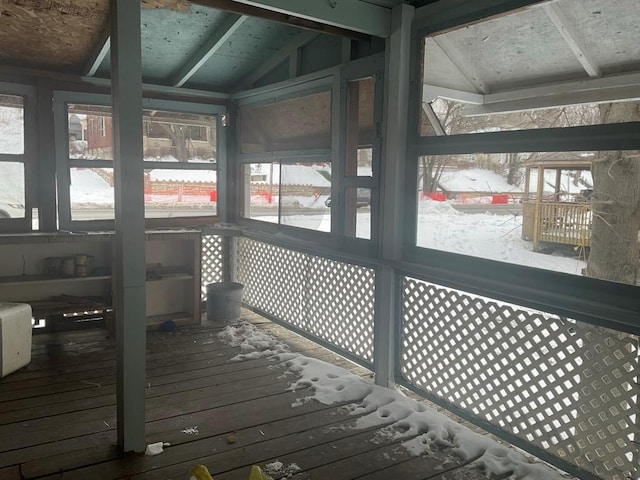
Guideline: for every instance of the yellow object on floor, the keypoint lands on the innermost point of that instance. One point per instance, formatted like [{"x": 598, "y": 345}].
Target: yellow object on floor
[
  {"x": 258, "y": 474},
  {"x": 201, "y": 473}
]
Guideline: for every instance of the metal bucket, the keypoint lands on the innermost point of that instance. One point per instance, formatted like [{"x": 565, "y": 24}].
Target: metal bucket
[{"x": 224, "y": 300}]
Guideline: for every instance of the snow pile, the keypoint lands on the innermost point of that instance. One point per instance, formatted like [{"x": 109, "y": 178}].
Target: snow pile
[
  {"x": 399, "y": 416},
  {"x": 475, "y": 180},
  {"x": 280, "y": 470},
  {"x": 89, "y": 187},
  {"x": 253, "y": 343}
]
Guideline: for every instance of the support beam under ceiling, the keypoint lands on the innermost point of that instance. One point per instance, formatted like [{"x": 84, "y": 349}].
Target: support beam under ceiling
[
  {"x": 275, "y": 16},
  {"x": 572, "y": 38},
  {"x": 208, "y": 48},
  {"x": 613, "y": 88},
  {"x": 349, "y": 14},
  {"x": 100, "y": 51}
]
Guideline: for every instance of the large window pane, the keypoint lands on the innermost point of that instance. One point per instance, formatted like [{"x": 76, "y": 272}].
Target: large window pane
[
  {"x": 569, "y": 212},
  {"x": 91, "y": 194},
  {"x": 302, "y": 123},
  {"x": 180, "y": 193},
  {"x": 304, "y": 190},
  {"x": 167, "y": 136},
  {"x": 262, "y": 191},
  {"x": 295, "y": 195},
  {"x": 11, "y": 124},
  {"x": 179, "y": 137},
  {"x": 11, "y": 190},
  {"x": 90, "y": 129}
]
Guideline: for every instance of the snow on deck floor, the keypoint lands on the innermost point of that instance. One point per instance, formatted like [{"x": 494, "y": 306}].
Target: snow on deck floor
[{"x": 397, "y": 415}]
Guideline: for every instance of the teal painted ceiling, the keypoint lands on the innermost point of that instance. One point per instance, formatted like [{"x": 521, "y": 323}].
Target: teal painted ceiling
[{"x": 171, "y": 38}]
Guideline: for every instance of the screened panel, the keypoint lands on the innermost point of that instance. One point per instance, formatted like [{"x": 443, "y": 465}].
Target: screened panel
[
  {"x": 179, "y": 137},
  {"x": 90, "y": 130},
  {"x": 180, "y": 193},
  {"x": 570, "y": 212},
  {"x": 304, "y": 191},
  {"x": 92, "y": 194},
  {"x": 302, "y": 123},
  {"x": 262, "y": 191}
]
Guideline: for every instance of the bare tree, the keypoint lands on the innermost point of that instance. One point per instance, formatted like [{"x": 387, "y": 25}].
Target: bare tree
[
  {"x": 179, "y": 135},
  {"x": 616, "y": 205}
]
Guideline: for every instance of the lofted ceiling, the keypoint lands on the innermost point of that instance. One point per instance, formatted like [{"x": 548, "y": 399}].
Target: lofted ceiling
[
  {"x": 551, "y": 53},
  {"x": 216, "y": 45}
]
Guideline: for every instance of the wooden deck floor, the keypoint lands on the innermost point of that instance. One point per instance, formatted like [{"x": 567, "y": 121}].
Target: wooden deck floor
[{"x": 58, "y": 416}]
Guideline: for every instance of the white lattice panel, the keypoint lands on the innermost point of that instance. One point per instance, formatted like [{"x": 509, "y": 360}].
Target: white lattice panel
[
  {"x": 569, "y": 388},
  {"x": 212, "y": 262},
  {"x": 328, "y": 299}
]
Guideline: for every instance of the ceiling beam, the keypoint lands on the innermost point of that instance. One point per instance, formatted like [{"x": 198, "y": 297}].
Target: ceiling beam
[
  {"x": 571, "y": 38},
  {"x": 100, "y": 51},
  {"x": 550, "y": 89},
  {"x": 431, "y": 92},
  {"x": 559, "y": 100},
  {"x": 208, "y": 48},
  {"x": 299, "y": 41},
  {"x": 615, "y": 88},
  {"x": 348, "y": 14},
  {"x": 243, "y": 9}
]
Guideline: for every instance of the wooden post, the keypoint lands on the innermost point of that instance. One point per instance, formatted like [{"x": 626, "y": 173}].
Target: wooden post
[
  {"x": 129, "y": 279},
  {"x": 536, "y": 212},
  {"x": 396, "y": 105}
]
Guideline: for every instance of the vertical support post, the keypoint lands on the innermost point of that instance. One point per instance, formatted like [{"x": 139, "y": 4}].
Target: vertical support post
[
  {"x": 391, "y": 227},
  {"x": 46, "y": 200},
  {"x": 129, "y": 282},
  {"x": 537, "y": 220}
]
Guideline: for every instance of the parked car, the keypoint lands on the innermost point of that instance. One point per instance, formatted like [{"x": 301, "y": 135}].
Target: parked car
[
  {"x": 11, "y": 210},
  {"x": 363, "y": 198}
]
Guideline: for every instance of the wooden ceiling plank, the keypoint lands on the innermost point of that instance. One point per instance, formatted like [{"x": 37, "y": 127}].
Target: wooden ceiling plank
[
  {"x": 467, "y": 71},
  {"x": 277, "y": 58}
]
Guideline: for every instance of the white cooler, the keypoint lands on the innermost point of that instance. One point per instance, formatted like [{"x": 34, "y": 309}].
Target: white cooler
[{"x": 15, "y": 336}]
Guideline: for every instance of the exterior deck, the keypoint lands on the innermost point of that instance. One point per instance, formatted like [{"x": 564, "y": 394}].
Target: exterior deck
[{"x": 58, "y": 415}]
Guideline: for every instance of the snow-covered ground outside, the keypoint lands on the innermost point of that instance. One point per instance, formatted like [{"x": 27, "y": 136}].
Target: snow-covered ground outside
[{"x": 418, "y": 428}]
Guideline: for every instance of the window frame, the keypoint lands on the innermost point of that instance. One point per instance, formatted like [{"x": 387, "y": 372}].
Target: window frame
[
  {"x": 26, "y": 158},
  {"x": 599, "y": 302},
  {"x": 64, "y": 164},
  {"x": 324, "y": 83}
]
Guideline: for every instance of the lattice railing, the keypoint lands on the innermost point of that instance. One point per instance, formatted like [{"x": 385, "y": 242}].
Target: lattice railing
[
  {"x": 212, "y": 261},
  {"x": 566, "y": 387},
  {"x": 328, "y": 299}
]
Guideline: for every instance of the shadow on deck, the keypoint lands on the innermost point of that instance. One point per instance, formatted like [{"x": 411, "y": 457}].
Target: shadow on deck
[{"x": 58, "y": 415}]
